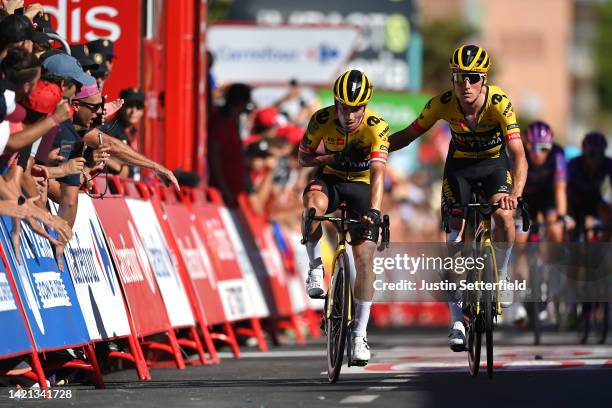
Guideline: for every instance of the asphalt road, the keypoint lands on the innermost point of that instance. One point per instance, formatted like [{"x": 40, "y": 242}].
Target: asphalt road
[{"x": 408, "y": 368}]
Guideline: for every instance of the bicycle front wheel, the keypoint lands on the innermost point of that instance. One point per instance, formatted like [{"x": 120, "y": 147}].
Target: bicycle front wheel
[
  {"x": 489, "y": 301},
  {"x": 338, "y": 319}
]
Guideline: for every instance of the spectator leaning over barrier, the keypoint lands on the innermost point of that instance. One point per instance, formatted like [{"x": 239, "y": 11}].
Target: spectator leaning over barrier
[
  {"x": 123, "y": 127},
  {"x": 21, "y": 72},
  {"x": 225, "y": 153}
]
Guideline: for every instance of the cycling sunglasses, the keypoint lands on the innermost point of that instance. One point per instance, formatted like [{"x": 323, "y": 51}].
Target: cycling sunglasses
[{"x": 472, "y": 77}]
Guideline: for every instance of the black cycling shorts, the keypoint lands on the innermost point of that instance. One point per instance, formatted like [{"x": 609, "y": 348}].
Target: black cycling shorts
[
  {"x": 540, "y": 202},
  {"x": 461, "y": 176},
  {"x": 355, "y": 194}
]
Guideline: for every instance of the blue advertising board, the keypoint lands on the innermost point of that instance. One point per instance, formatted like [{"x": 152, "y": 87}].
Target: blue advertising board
[
  {"x": 15, "y": 339},
  {"x": 48, "y": 295}
]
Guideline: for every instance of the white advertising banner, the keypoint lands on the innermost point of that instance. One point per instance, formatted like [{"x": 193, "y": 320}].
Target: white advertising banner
[
  {"x": 277, "y": 54},
  {"x": 92, "y": 271},
  {"x": 162, "y": 262},
  {"x": 254, "y": 290}
]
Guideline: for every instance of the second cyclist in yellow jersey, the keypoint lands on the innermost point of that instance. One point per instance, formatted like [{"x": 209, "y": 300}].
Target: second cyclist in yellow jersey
[
  {"x": 368, "y": 143},
  {"x": 496, "y": 124}
]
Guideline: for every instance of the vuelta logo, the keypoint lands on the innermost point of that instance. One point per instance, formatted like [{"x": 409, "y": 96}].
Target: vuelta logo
[
  {"x": 84, "y": 20},
  {"x": 102, "y": 256}
]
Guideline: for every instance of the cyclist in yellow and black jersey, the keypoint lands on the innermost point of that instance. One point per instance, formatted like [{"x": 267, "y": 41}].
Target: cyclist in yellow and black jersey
[
  {"x": 485, "y": 148},
  {"x": 351, "y": 169}
]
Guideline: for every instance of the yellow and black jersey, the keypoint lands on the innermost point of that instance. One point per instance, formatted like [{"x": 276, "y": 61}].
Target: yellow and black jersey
[
  {"x": 368, "y": 143},
  {"x": 496, "y": 124}
]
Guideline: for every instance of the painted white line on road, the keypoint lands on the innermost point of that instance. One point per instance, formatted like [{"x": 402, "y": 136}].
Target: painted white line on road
[
  {"x": 383, "y": 388},
  {"x": 394, "y": 380},
  {"x": 359, "y": 399},
  {"x": 275, "y": 354}
]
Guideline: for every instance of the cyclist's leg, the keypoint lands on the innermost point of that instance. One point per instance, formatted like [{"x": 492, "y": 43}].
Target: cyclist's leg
[
  {"x": 455, "y": 190},
  {"x": 319, "y": 194},
  {"x": 357, "y": 197}
]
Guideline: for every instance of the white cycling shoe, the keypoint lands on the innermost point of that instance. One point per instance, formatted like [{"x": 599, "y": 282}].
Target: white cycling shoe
[
  {"x": 506, "y": 296},
  {"x": 314, "y": 283},
  {"x": 360, "y": 350},
  {"x": 456, "y": 337}
]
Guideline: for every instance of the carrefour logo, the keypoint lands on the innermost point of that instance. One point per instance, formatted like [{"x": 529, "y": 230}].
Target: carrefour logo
[
  {"x": 261, "y": 54},
  {"x": 323, "y": 53}
]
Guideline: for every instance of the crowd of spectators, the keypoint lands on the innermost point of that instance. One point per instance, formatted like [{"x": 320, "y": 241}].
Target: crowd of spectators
[{"x": 57, "y": 131}]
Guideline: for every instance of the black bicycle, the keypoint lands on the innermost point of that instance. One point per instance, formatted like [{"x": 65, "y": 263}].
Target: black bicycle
[
  {"x": 481, "y": 306},
  {"x": 338, "y": 311}
]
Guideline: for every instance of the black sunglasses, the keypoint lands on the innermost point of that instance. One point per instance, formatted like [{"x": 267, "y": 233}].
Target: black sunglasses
[
  {"x": 94, "y": 107},
  {"x": 472, "y": 77}
]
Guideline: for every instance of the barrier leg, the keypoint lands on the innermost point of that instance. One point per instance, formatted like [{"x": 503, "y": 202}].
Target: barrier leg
[
  {"x": 194, "y": 334},
  {"x": 295, "y": 324},
  {"x": 233, "y": 342},
  {"x": 139, "y": 360},
  {"x": 258, "y": 331},
  {"x": 176, "y": 350},
  {"x": 40, "y": 374},
  {"x": 96, "y": 374},
  {"x": 212, "y": 350}
]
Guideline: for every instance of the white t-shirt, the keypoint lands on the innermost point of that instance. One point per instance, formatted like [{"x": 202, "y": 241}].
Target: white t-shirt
[{"x": 5, "y": 131}]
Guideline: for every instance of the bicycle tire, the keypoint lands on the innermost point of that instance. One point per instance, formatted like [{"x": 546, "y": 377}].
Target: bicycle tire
[
  {"x": 488, "y": 307},
  {"x": 473, "y": 332},
  {"x": 337, "y": 323}
]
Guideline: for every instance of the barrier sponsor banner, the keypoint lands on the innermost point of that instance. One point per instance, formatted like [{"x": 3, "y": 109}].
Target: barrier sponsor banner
[
  {"x": 166, "y": 272},
  {"x": 233, "y": 290},
  {"x": 11, "y": 319},
  {"x": 48, "y": 296},
  {"x": 229, "y": 218},
  {"x": 313, "y": 55},
  {"x": 135, "y": 272},
  {"x": 93, "y": 275},
  {"x": 197, "y": 261}
]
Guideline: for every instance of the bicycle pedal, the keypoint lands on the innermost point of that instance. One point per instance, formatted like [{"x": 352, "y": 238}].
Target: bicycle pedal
[{"x": 358, "y": 363}]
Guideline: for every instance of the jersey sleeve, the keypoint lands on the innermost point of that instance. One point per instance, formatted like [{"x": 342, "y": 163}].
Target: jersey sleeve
[
  {"x": 431, "y": 112},
  {"x": 504, "y": 112},
  {"x": 312, "y": 137},
  {"x": 560, "y": 165},
  {"x": 379, "y": 142}
]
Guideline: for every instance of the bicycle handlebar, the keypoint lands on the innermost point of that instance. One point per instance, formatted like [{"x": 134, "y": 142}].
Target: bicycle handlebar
[
  {"x": 486, "y": 209},
  {"x": 340, "y": 221}
]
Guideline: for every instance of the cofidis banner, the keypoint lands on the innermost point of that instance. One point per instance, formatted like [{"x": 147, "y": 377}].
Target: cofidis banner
[{"x": 48, "y": 296}]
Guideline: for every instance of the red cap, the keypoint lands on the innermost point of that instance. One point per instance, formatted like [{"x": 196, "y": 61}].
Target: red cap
[
  {"x": 292, "y": 133},
  {"x": 266, "y": 118},
  {"x": 44, "y": 98}
]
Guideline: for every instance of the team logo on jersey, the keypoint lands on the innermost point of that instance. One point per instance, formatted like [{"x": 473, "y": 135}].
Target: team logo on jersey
[
  {"x": 322, "y": 117},
  {"x": 497, "y": 98},
  {"x": 373, "y": 121},
  {"x": 446, "y": 97}
]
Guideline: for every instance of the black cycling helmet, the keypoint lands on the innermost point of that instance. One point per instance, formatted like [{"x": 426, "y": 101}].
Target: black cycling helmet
[{"x": 353, "y": 88}]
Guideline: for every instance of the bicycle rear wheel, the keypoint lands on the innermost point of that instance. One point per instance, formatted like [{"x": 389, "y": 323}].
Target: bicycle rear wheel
[{"x": 337, "y": 322}]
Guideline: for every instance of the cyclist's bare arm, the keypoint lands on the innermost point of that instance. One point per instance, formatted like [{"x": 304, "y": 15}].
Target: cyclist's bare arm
[
  {"x": 403, "y": 138},
  {"x": 314, "y": 160},
  {"x": 377, "y": 177},
  {"x": 560, "y": 188},
  {"x": 519, "y": 165}
]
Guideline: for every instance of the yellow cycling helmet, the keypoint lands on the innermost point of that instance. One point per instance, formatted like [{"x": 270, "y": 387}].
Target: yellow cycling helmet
[
  {"x": 353, "y": 88},
  {"x": 471, "y": 58}
]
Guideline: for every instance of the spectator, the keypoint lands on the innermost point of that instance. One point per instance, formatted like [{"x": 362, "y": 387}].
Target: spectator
[
  {"x": 18, "y": 31},
  {"x": 298, "y": 104},
  {"x": 225, "y": 157},
  {"x": 102, "y": 52},
  {"x": 81, "y": 53},
  {"x": 123, "y": 127}
]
